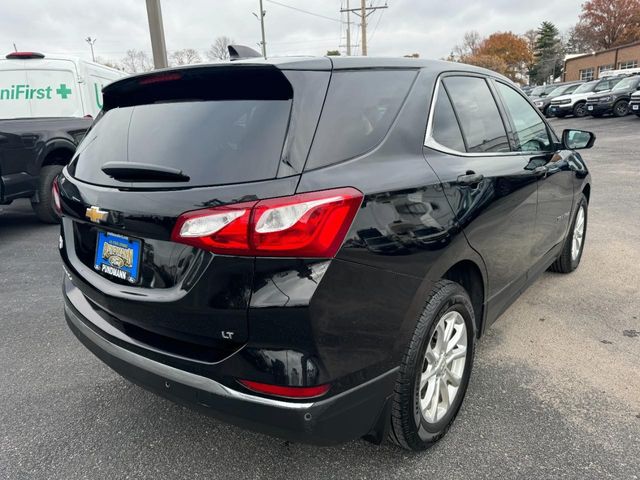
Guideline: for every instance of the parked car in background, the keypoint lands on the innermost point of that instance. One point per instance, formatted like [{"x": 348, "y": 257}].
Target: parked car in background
[
  {"x": 46, "y": 105},
  {"x": 542, "y": 91},
  {"x": 527, "y": 89},
  {"x": 576, "y": 103},
  {"x": 292, "y": 253},
  {"x": 634, "y": 103},
  {"x": 543, "y": 103},
  {"x": 616, "y": 101}
]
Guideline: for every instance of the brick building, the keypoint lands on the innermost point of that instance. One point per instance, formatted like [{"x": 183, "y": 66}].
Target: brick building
[{"x": 590, "y": 65}]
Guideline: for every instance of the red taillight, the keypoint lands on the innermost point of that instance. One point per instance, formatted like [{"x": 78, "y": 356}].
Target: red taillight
[
  {"x": 23, "y": 55},
  {"x": 55, "y": 193},
  {"x": 305, "y": 225},
  {"x": 286, "y": 392},
  {"x": 159, "y": 78}
]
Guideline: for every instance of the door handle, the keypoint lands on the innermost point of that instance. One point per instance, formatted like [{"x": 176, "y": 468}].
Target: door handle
[
  {"x": 541, "y": 171},
  {"x": 470, "y": 178}
]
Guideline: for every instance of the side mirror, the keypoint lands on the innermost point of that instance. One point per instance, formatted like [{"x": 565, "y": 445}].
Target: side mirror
[{"x": 577, "y": 139}]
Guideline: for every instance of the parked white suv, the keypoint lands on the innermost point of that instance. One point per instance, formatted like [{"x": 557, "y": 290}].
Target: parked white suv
[{"x": 575, "y": 103}]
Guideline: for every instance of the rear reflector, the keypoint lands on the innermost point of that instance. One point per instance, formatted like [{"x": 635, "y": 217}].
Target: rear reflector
[
  {"x": 55, "y": 193},
  {"x": 23, "y": 55},
  {"x": 286, "y": 392},
  {"x": 310, "y": 224}
]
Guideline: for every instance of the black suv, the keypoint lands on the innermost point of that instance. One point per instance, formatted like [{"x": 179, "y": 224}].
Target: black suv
[
  {"x": 311, "y": 247},
  {"x": 615, "y": 101}
]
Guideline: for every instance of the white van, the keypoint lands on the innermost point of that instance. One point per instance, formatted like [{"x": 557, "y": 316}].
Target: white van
[{"x": 34, "y": 85}]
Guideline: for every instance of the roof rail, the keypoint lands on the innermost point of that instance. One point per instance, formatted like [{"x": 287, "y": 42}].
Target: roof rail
[{"x": 239, "y": 52}]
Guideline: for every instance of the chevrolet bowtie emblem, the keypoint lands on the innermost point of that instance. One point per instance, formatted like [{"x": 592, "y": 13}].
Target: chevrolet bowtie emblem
[{"x": 96, "y": 215}]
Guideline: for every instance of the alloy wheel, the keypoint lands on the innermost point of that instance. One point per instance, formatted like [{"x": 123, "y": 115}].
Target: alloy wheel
[
  {"x": 443, "y": 367},
  {"x": 578, "y": 235},
  {"x": 621, "y": 109}
]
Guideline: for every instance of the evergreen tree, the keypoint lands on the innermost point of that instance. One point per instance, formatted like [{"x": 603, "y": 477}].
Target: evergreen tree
[{"x": 548, "y": 55}]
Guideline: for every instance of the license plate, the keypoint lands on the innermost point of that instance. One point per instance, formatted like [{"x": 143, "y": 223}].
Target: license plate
[
  {"x": 118, "y": 256},
  {"x": 590, "y": 107},
  {"x": 636, "y": 107}
]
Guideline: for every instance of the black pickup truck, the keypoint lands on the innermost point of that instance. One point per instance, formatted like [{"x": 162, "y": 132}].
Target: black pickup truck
[{"x": 33, "y": 152}]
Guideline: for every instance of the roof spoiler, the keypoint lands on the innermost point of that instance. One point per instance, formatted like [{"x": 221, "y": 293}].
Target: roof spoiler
[{"x": 239, "y": 52}]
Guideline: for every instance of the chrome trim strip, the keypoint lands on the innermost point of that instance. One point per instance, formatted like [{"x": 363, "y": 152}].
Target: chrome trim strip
[{"x": 175, "y": 374}]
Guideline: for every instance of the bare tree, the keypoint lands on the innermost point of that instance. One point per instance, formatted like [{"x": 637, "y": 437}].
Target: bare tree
[
  {"x": 218, "y": 49},
  {"x": 470, "y": 45},
  {"x": 186, "y": 56},
  {"x": 109, "y": 63},
  {"x": 531, "y": 36},
  {"x": 136, "y": 61}
]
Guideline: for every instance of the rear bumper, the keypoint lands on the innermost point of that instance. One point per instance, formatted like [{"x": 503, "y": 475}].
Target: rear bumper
[{"x": 346, "y": 416}]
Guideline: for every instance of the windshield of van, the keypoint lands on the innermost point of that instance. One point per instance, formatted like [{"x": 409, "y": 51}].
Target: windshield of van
[
  {"x": 211, "y": 142},
  {"x": 27, "y": 93},
  {"x": 586, "y": 87}
]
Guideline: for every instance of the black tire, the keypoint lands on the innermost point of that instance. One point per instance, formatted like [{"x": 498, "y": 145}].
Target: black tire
[
  {"x": 409, "y": 429},
  {"x": 621, "y": 108},
  {"x": 580, "y": 109},
  {"x": 637, "y": 114},
  {"x": 43, "y": 207},
  {"x": 566, "y": 263}
]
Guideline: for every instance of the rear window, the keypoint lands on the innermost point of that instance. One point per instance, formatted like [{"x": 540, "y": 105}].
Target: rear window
[
  {"x": 358, "y": 111},
  {"x": 27, "y": 93},
  {"x": 212, "y": 142}
]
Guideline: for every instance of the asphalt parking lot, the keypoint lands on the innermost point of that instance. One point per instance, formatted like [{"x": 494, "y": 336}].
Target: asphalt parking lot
[{"x": 555, "y": 391}]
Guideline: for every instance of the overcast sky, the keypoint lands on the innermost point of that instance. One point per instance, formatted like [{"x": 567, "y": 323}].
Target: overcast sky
[{"x": 429, "y": 27}]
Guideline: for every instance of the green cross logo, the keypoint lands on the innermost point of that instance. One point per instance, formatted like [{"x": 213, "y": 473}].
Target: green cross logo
[{"x": 63, "y": 91}]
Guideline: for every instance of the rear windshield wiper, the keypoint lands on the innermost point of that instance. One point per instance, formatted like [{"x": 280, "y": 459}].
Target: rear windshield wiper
[{"x": 143, "y": 172}]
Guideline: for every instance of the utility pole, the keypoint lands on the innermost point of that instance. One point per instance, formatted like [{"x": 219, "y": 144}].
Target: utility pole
[
  {"x": 363, "y": 12},
  {"x": 263, "y": 43},
  {"x": 348, "y": 30},
  {"x": 156, "y": 30},
  {"x": 91, "y": 41}
]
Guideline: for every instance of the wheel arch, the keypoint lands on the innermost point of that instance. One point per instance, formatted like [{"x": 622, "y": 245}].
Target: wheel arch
[
  {"x": 586, "y": 191},
  {"x": 469, "y": 275},
  {"x": 58, "y": 152}
]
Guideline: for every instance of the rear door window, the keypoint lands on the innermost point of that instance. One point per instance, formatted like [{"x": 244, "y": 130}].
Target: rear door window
[
  {"x": 445, "y": 129},
  {"x": 478, "y": 113},
  {"x": 212, "y": 142},
  {"x": 358, "y": 112},
  {"x": 12, "y": 104},
  {"x": 54, "y": 93}
]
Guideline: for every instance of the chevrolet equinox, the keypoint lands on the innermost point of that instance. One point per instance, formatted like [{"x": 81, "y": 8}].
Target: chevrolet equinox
[{"x": 311, "y": 247}]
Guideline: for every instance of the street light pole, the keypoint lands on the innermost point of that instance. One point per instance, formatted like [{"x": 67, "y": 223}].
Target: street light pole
[
  {"x": 264, "y": 42},
  {"x": 156, "y": 30},
  {"x": 91, "y": 41}
]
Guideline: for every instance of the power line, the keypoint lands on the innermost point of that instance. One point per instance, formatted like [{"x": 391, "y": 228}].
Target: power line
[
  {"x": 375, "y": 29},
  {"x": 304, "y": 11}
]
